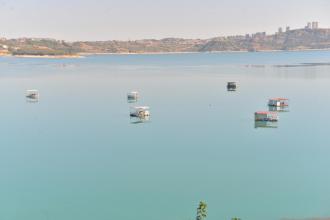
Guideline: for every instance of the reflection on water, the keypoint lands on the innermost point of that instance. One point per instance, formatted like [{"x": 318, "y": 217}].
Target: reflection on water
[
  {"x": 131, "y": 100},
  {"x": 255, "y": 66},
  {"x": 139, "y": 120},
  {"x": 304, "y": 65},
  {"x": 32, "y": 99},
  {"x": 265, "y": 124},
  {"x": 229, "y": 89}
]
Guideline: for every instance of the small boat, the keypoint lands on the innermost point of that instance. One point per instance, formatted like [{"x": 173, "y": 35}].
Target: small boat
[
  {"x": 140, "y": 111},
  {"x": 32, "y": 94},
  {"x": 279, "y": 102},
  {"x": 231, "y": 86},
  {"x": 132, "y": 96},
  {"x": 266, "y": 116}
]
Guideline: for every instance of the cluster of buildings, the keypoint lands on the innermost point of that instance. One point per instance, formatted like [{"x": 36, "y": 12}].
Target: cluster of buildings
[
  {"x": 262, "y": 35},
  {"x": 280, "y": 29},
  {"x": 256, "y": 35},
  {"x": 312, "y": 25}
]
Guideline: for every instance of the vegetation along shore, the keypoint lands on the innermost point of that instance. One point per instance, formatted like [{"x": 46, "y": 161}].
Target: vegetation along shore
[{"x": 290, "y": 40}]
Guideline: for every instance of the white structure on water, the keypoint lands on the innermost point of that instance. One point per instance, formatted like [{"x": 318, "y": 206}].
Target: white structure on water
[
  {"x": 32, "y": 94},
  {"x": 132, "y": 96},
  {"x": 266, "y": 116},
  {"x": 140, "y": 111},
  {"x": 279, "y": 102}
]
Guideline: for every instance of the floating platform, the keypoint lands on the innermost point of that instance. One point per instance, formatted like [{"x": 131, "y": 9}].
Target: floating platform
[
  {"x": 32, "y": 94},
  {"x": 132, "y": 96},
  {"x": 231, "y": 86},
  {"x": 278, "y": 102},
  {"x": 140, "y": 112},
  {"x": 266, "y": 116}
]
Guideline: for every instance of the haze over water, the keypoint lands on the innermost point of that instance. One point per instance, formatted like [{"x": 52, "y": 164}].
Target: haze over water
[{"x": 76, "y": 155}]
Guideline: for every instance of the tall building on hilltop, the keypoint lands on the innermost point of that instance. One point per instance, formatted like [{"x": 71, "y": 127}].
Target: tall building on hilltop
[
  {"x": 287, "y": 29},
  {"x": 312, "y": 25},
  {"x": 315, "y": 25},
  {"x": 280, "y": 30}
]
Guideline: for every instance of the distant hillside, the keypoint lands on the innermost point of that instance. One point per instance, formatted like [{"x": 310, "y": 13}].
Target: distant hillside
[{"x": 299, "y": 39}]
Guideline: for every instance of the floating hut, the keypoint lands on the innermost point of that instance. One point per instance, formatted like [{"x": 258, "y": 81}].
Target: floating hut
[
  {"x": 280, "y": 102},
  {"x": 132, "y": 96},
  {"x": 266, "y": 116},
  {"x": 140, "y": 111},
  {"x": 32, "y": 94},
  {"x": 278, "y": 108},
  {"x": 231, "y": 86}
]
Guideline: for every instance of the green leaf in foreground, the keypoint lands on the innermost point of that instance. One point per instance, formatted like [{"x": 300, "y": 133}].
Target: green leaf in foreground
[{"x": 201, "y": 211}]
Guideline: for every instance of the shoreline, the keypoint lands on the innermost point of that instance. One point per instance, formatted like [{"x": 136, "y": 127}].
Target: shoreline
[
  {"x": 48, "y": 56},
  {"x": 43, "y": 56},
  {"x": 195, "y": 52},
  {"x": 84, "y": 54}
]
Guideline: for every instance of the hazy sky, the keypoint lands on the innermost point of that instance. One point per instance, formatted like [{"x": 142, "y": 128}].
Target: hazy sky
[{"x": 137, "y": 19}]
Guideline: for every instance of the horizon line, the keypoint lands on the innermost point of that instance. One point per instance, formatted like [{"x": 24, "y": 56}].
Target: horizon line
[{"x": 163, "y": 38}]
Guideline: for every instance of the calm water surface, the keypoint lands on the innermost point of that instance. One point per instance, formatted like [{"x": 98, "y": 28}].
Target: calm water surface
[{"x": 76, "y": 155}]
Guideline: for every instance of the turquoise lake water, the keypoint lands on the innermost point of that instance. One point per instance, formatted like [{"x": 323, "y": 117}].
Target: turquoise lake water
[{"x": 76, "y": 154}]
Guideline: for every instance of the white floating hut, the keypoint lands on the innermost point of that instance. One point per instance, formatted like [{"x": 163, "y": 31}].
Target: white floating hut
[
  {"x": 132, "y": 96},
  {"x": 140, "y": 111},
  {"x": 266, "y": 116},
  {"x": 32, "y": 94},
  {"x": 279, "y": 102}
]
